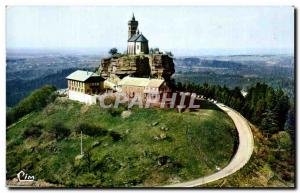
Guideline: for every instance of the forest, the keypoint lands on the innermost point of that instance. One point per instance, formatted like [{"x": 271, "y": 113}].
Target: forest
[{"x": 268, "y": 108}]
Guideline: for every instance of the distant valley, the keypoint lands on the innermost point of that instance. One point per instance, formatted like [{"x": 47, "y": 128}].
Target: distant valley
[{"x": 28, "y": 71}]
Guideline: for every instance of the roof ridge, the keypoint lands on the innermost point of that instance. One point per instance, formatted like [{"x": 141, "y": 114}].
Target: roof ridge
[
  {"x": 138, "y": 37},
  {"x": 82, "y": 75}
]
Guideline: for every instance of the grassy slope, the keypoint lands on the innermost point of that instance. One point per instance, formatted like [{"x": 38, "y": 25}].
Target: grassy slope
[
  {"x": 263, "y": 169},
  {"x": 195, "y": 144}
]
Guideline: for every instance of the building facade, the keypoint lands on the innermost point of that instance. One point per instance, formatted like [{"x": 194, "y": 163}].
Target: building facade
[
  {"x": 145, "y": 87},
  {"x": 84, "y": 86},
  {"x": 85, "y": 82}
]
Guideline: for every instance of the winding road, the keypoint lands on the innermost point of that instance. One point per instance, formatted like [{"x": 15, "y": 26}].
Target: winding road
[{"x": 242, "y": 156}]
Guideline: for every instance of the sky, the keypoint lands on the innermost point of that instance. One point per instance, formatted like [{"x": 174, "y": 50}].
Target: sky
[{"x": 190, "y": 29}]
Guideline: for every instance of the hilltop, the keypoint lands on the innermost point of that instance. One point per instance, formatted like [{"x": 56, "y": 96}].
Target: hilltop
[{"x": 144, "y": 147}]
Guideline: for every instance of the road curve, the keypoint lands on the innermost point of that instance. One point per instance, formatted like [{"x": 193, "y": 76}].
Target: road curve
[{"x": 242, "y": 156}]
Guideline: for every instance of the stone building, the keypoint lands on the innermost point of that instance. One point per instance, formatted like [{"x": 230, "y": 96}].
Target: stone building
[
  {"x": 137, "y": 43},
  {"x": 84, "y": 86},
  {"x": 85, "y": 82},
  {"x": 143, "y": 86},
  {"x": 128, "y": 73}
]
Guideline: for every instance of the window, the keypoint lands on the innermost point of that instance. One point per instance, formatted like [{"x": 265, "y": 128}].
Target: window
[{"x": 137, "y": 47}]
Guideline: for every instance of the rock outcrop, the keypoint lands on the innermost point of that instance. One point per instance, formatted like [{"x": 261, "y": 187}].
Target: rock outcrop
[{"x": 152, "y": 65}]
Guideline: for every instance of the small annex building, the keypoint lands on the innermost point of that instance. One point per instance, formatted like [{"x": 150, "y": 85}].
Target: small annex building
[{"x": 143, "y": 86}]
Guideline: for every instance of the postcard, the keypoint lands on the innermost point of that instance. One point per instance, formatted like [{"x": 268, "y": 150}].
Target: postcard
[{"x": 150, "y": 97}]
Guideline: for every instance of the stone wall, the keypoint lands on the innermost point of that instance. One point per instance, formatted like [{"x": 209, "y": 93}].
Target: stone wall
[{"x": 82, "y": 97}]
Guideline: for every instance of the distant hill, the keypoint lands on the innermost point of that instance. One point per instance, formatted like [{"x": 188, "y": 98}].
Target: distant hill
[
  {"x": 18, "y": 88},
  {"x": 194, "y": 61}
]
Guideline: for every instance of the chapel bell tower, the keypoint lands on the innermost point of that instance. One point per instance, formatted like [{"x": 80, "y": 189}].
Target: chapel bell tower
[{"x": 132, "y": 26}]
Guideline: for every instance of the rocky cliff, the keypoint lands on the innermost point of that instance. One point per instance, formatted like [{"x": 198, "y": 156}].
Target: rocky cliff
[{"x": 154, "y": 65}]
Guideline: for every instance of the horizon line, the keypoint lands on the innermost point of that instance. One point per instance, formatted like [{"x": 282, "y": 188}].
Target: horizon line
[{"x": 185, "y": 52}]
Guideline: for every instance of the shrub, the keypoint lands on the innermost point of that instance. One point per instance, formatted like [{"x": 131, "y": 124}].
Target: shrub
[
  {"x": 34, "y": 130},
  {"x": 109, "y": 100},
  {"x": 90, "y": 129},
  {"x": 34, "y": 102},
  {"x": 115, "y": 111},
  {"x": 113, "y": 51},
  {"x": 115, "y": 136},
  {"x": 87, "y": 180},
  {"x": 59, "y": 130}
]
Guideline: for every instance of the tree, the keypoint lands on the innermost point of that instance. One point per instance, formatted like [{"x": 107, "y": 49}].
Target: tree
[
  {"x": 156, "y": 50},
  {"x": 269, "y": 124},
  {"x": 115, "y": 136},
  {"x": 151, "y": 51},
  {"x": 88, "y": 158},
  {"x": 90, "y": 129},
  {"x": 169, "y": 54},
  {"x": 263, "y": 105},
  {"x": 113, "y": 51},
  {"x": 281, "y": 108},
  {"x": 34, "y": 102},
  {"x": 282, "y": 140},
  {"x": 34, "y": 130},
  {"x": 59, "y": 130},
  {"x": 290, "y": 123}
]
